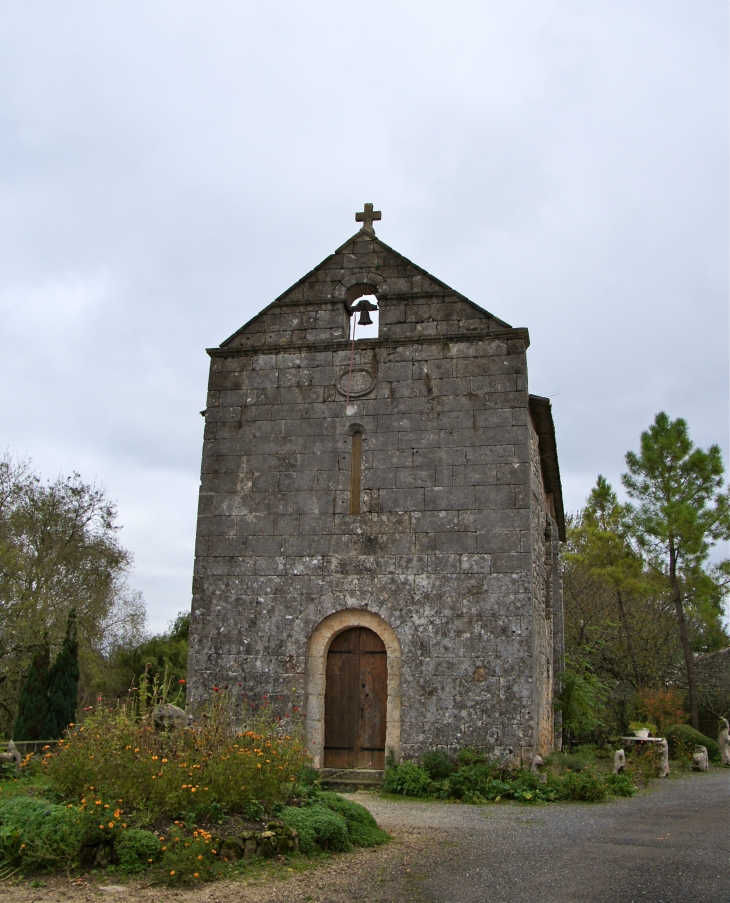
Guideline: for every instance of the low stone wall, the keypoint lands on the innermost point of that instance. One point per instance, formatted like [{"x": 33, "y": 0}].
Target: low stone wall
[{"x": 277, "y": 840}]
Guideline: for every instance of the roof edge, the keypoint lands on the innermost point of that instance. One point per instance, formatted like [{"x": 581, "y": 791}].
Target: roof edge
[
  {"x": 542, "y": 417},
  {"x": 371, "y": 237}
]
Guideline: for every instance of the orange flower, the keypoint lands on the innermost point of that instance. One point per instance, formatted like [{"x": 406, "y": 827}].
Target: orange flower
[{"x": 172, "y": 872}]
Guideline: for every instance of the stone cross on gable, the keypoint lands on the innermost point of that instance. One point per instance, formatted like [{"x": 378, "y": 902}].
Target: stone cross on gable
[{"x": 366, "y": 218}]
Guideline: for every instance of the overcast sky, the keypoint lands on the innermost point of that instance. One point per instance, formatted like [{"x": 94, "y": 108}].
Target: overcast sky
[{"x": 168, "y": 167}]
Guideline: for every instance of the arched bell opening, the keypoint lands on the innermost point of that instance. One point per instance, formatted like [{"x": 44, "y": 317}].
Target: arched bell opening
[{"x": 364, "y": 311}]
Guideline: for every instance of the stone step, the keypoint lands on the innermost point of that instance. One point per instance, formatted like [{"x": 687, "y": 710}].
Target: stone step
[{"x": 350, "y": 779}]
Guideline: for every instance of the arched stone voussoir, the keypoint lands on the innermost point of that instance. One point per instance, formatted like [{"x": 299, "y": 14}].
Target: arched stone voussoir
[
  {"x": 316, "y": 672},
  {"x": 379, "y": 284}
]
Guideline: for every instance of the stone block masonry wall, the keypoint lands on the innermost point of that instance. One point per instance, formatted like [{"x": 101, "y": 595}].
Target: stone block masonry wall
[{"x": 443, "y": 549}]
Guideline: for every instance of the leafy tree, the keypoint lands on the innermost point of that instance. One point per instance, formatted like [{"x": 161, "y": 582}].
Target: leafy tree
[
  {"x": 681, "y": 511},
  {"x": 163, "y": 654},
  {"x": 63, "y": 683},
  {"x": 31, "y": 720},
  {"x": 618, "y": 619},
  {"x": 59, "y": 550},
  {"x": 601, "y": 546},
  {"x": 581, "y": 700}
]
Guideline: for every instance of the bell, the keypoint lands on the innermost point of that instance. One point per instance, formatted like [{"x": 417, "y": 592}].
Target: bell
[{"x": 363, "y": 307}]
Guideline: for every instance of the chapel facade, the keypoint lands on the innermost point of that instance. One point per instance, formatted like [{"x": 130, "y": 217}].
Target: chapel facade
[{"x": 380, "y": 519}]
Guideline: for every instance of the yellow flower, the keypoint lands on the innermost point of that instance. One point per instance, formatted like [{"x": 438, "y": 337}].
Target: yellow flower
[
  {"x": 101, "y": 827},
  {"x": 111, "y": 824},
  {"x": 172, "y": 872},
  {"x": 164, "y": 760},
  {"x": 259, "y": 765},
  {"x": 149, "y": 860},
  {"x": 199, "y": 858}
]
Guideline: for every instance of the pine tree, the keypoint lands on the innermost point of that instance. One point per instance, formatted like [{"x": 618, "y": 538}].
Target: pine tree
[
  {"x": 63, "y": 683},
  {"x": 31, "y": 720},
  {"x": 683, "y": 510}
]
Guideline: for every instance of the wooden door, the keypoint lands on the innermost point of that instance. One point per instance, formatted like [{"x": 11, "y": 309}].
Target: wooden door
[{"x": 355, "y": 700}]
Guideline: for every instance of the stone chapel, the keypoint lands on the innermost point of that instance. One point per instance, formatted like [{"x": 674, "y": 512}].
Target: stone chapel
[{"x": 380, "y": 518}]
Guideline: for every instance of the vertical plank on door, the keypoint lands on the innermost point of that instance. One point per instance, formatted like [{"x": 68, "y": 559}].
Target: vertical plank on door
[
  {"x": 373, "y": 700},
  {"x": 341, "y": 696}
]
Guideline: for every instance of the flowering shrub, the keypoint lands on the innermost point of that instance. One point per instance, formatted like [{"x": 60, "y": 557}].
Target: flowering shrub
[
  {"x": 188, "y": 772},
  {"x": 188, "y": 856}
]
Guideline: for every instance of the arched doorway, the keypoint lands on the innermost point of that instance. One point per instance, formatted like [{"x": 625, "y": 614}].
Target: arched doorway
[{"x": 356, "y": 692}]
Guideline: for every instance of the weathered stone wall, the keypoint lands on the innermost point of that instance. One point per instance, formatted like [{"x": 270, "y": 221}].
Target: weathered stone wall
[
  {"x": 450, "y": 546},
  {"x": 441, "y": 551}
]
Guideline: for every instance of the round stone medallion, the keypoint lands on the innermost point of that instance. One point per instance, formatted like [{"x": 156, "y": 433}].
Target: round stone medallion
[{"x": 361, "y": 382}]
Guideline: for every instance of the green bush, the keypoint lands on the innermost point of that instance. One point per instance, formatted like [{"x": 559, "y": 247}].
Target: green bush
[
  {"x": 36, "y": 834},
  {"x": 137, "y": 850},
  {"x": 362, "y": 829},
  {"x": 619, "y": 785},
  {"x": 578, "y": 761},
  {"x": 438, "y": 765},
  {"x": 471, "y": 755},
  {"x": 682, "y": 740},
  {"x": 468, "y": 783},
  {"x": 318, "y": 826},
  {"x": 582, "y": 786},
  {"x": 407, "y": 779}
]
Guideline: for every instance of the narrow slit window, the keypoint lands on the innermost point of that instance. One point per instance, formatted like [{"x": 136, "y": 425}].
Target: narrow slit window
[{"x": 355, "y": 473}]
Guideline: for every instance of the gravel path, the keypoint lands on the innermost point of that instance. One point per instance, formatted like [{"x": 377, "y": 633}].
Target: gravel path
[
  {"x": 670, "y": 845},
  {"x": 667, "y": 846}
]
